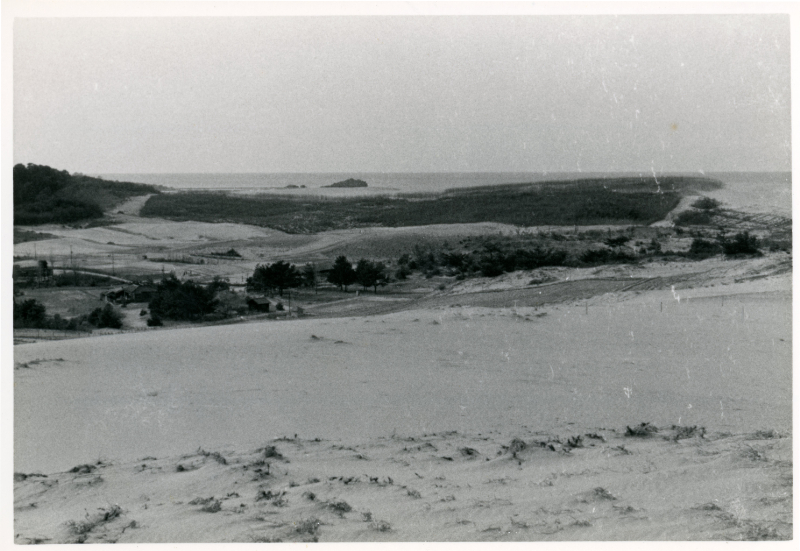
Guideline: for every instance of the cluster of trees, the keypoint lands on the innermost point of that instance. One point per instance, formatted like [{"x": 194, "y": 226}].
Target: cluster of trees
[
  {"x": 279, "y": 276},
  {"x": 742, "y": 244},
  {"x": 32, "y": 314},
  {"x": 269, "y": 278},
  {"x": 491, "y": 260},
  {"x": 366, "y": 273},
  {"x": 45, "y": 195},
  {"x": 189, "y": 301},
  {"x": 183, "y": 300}
]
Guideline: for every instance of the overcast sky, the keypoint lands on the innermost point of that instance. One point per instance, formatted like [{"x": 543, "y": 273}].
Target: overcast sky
[{"x": 403, "y": 94}]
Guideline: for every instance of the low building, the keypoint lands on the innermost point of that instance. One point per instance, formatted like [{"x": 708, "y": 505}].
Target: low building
[
  {"x": 131, "y": 293},
  {"x": 258, "y": 304},
  {"x": 113, "y": 295},
  {"x": 140, "y": 293}
]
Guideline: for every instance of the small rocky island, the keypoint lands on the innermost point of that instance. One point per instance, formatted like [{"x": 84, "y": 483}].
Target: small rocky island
[{"x": 350, "y": 182}]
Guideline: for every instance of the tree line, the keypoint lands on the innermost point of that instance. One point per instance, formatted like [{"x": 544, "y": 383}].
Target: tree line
[{"x": 279, "y": 276}]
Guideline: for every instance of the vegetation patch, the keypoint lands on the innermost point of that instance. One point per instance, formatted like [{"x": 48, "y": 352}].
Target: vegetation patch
[
  {"x": 643, "y": 430},
  {"x": 580, "y": 202},
  {"x": 23, "y": 236},
  {"x": 693, "y": 218}
]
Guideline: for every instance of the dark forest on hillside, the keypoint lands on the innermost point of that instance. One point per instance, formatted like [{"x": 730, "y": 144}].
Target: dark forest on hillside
[{"x": 45, "y": 195}]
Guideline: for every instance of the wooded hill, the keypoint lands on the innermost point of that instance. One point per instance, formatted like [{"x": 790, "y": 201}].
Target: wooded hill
[{"x": 45, "y": 195}]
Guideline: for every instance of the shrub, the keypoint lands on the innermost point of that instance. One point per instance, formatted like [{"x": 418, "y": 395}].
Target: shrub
[
  {"x": 706, "y": 203},
  {"x": 403, "y": 271},
  {"x": 31, "y": 313},
  {"x": 642, "y": 430},
  {"x": 154, "y": 321},
  {"x": 218, "y": 284},
  {"x": 605, "y": 256},
  {"x": 617, "y": 241},
  {"x": 693, "y": 218},
  {"x": 105, "y": 317},
  {"x": 743, "y": 244},
  {"x": 702, "y": 248}
]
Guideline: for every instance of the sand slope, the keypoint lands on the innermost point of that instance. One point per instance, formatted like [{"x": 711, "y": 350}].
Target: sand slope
[
  {"x": 411, "y": 420},
  {"x": 674, "y": 484}
]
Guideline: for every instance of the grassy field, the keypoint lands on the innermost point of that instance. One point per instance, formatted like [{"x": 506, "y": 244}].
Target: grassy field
[{"x": 579, "y": 202}]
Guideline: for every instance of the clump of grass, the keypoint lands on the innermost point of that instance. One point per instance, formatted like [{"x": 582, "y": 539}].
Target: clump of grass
[
  {"x": 19, "y": 477},
  {"x": 759, "y": 532},
  {"x": 271, "y": 451},
  {"x": 763, "y": 435},
  {"x": 216, "y": 456},
  {"x": 595, "y": 436},
  {"x": 380, "y": 526},
  {"x": 277, "y": 499},
  {"x": 213, "y": 507},
  {"x": 469, "y": 452},
  {"x": 209, "y": 504},
  {"x": 575, "y": 441},
  {"x": 682, "y": 433},
  {"x": 624, "y": 509},
  {"x": 83, "y": 469},
  {"x": 710, "y": 506},
  {"x": 516, "y": 446},
  {"x": 339, "y": 507},
  {"x": 83, "y": 527},
  {"x": 753, "y": 454},
  {"x": 266, "y": 539},
  {"x": 308, "y": 526},
  {"x": 602, "y": 493},
  {"x": 643, "y": 430},
  {"x": 413, "y": 493}
]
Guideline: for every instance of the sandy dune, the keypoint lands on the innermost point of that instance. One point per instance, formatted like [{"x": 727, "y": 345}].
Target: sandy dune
[
  {"x": 674, "y": 484},
  {"x": 492, "y": 375},
  {"x": 484, "y": 412}
]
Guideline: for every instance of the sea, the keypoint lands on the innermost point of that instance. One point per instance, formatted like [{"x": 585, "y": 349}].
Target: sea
[{"x": 767, "y": 192}]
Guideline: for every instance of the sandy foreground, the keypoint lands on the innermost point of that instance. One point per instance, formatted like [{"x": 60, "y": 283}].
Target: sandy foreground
[{"x": 443, "y": 424}]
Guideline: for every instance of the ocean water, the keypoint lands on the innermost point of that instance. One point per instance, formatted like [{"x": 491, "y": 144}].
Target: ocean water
[{"x": 769, "y": 192}]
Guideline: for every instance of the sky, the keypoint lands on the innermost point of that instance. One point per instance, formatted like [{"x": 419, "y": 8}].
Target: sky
[{"x": 403, "y": 94}]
